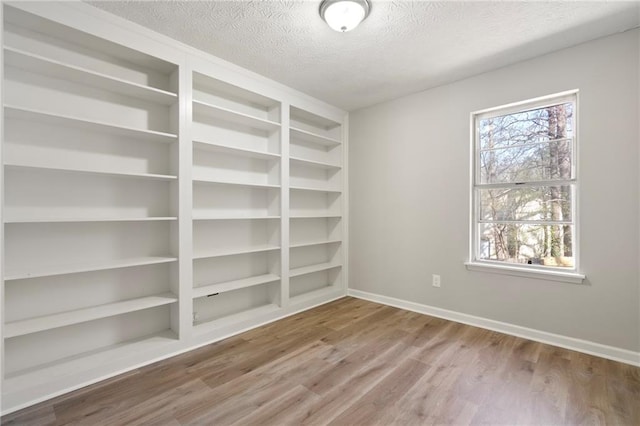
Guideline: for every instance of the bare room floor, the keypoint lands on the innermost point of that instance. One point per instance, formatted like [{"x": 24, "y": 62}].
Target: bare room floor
[{"x": 357, "y": 362}]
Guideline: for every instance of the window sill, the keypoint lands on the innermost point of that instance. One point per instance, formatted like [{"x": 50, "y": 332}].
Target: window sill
[{"x": 568, "y": 277}]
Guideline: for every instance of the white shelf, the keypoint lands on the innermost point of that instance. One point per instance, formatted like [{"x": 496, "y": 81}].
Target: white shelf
[
  {"x": 234, "y": 217},
  {"x": 257, "y": 249},
  {"x": 73, "y": 268},
  {"x": 91, "y": 219},
  {"x": 206, "y": 290},
  {"x": 306, "y": 188},
  {"x": 33, "y": 115},
  {"x": 235, "y": 117},
  {"x": 52, "y": 68},
  {"x": 315, "y": 216},
  {"x": 223, "y": 89},
  {"x": 312, "y": 163},
  {"x": 245, "y": 184},
  {"x": 230, "y": 320},
  {"x": 226, "y": 149},
  {"x": 296, "y": 272},
  {"x": 62, "y": 319},
  {"x": 315, "y": 243},
  {"x": 95, "y": 172},
  {"x": 314, "y": 295},
  {"x": 87, "y": 361},
  {"x": 307, "y": 136}
]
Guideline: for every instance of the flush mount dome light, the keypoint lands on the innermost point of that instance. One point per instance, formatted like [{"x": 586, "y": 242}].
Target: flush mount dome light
[{"x": 344, "y": 15}]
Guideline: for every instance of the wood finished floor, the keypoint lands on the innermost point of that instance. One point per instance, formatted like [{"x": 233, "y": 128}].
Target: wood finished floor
[{"x": 353, "y": 362}]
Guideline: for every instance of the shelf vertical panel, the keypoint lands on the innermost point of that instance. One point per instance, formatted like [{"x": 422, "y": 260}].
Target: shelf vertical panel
[
  {"x": 2, "y": 295},
  {"x": 184, "y": 233},
  {"x": 284, "y": 205},
  {"x": 345, "y": 204}
]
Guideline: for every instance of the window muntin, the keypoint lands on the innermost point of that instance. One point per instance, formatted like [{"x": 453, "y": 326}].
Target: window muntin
[{"x": 524, "y": 187}]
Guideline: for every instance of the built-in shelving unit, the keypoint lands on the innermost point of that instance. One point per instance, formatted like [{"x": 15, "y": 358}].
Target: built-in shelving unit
[
  {"x": 89, "y": 155},
  {"x": 316, "y": 184},
  {"x": 153, "y": 199},
  {"x": 236, "y": 139}
]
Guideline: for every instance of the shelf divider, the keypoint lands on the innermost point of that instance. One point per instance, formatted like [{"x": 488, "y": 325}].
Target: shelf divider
[
  {"x": 313, "y": 163},
  {"x": 230, "y": 320},
  {"x": 227, "y": 149},
  {"x": 306, "y": 188},
  {"x": 152, "y": 176},
  {"x": 311, "y": 137},
  {"x": 234, "y": 252},
  {"x": 316, "y": 243},
  {"x": 62, "y": 319},
  {"x": 17, "y": 112},
  {"x": 234, "y": 117},
  {"x": 206, "y": 290},
  {"x": 245, "y": 184},
  {"x": 296, "y": 272},
  {"x": 234, "y": 217},
  {"x": 74, "y": 268},
  {"x": 89, "y": 219}
]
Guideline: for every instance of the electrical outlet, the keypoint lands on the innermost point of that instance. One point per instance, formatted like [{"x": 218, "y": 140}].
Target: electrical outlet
[{"x": 435, "y": 280}]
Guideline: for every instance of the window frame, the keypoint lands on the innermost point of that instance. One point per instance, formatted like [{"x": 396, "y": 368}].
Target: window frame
[{"x": 551, "y": 273}]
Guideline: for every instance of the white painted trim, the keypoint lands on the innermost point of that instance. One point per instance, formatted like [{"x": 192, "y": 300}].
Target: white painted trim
[
  {"x": 345, "y": 203},
  {"x": 2, "y": 283},
  {"x": 528, "y": 104},
  {"x": 579, "y": 345},
  {"x": 526, "y": 272}
]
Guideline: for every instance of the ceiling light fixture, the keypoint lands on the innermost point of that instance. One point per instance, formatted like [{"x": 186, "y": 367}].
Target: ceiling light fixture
[{"x": 344, "y": 15}]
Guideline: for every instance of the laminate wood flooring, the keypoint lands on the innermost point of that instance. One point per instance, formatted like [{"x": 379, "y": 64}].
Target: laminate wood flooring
[{"x": 353, "y": 362}]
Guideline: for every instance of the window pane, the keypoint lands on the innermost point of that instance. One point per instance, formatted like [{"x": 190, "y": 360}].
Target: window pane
[
  {"x": 543, "y": 203},
  {"x": 526, "y": 163},
  {"x": 527, "y": 146},
  {"x": 536, "y": 125},
  {"x": 544, "y": 245}
]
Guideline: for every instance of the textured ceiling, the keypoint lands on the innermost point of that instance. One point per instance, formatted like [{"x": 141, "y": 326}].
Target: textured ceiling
[{"x": 402, "y": 47}]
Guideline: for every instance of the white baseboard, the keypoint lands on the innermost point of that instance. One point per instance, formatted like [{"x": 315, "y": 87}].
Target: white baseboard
[{"x": 585, "y": 346}]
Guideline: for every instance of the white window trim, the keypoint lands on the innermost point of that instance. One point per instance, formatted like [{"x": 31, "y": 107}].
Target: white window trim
[
  {"x": 526, "y": 271},
  {"x": 549, "y": 274}
]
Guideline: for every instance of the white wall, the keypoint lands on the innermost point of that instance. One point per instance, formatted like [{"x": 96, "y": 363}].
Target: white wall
[{"x": 409, "y": 195}]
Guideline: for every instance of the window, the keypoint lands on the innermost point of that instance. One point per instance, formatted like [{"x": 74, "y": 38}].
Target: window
[{"x": 524, "y": 186}]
